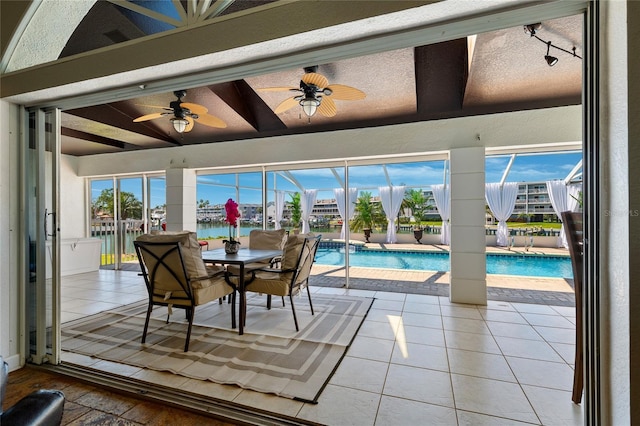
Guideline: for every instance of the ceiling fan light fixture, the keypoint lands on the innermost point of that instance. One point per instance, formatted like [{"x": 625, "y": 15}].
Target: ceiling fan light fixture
[
  {"x": 309, "y": 105},
  {"x": 179, "y": 124}
]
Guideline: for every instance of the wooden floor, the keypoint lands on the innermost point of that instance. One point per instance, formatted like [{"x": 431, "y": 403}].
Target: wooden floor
[{"x": 86, "y": 404}]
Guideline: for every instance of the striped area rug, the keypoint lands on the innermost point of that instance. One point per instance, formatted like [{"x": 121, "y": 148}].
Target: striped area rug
[{"x": 269, "y": 357}]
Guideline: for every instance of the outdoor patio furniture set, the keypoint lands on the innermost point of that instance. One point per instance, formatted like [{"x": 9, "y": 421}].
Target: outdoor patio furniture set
[{"x": 178, "y": 274}]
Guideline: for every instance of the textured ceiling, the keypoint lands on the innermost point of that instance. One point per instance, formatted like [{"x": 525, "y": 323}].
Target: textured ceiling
[{"x": 486, "y": 73}]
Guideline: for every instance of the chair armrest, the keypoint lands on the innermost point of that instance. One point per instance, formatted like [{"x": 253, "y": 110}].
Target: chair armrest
[
  {"x": 276, "y": 270},
  {"x": 275, "y": 260},
  {"x": 42, "y": 407},
  {"x": 207, "y": 277}
]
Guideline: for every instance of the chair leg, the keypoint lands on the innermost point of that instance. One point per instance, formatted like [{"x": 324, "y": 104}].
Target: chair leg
[
  {"x": 232, "y": 299},
  {"x": 310, "y": 304},
  {"x": 268, "y": 301},
  {"x": 146, "y": 322},
  {"x": 293, "y": 309},
  {"x": 190, "y": 313},
  {"x": 283, "y": 301}
]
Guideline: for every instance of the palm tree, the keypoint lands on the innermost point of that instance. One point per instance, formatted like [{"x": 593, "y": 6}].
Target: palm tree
[
  {"x": 415, "y": 201},
  {"x": 418, "y": 204},
  {"x": 368, "y": 214},
  {"x": 130, "y": 206},
  {"x": 296, "y": 209}
]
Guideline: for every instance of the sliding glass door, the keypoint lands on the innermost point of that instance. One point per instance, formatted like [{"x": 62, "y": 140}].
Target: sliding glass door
[
  {"x": 40, "y": 167},
  {"x": 122, "y": 209}
]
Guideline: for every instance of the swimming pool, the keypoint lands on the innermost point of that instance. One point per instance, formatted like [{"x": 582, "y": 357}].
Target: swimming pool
[{"x": 529, "y": 265}]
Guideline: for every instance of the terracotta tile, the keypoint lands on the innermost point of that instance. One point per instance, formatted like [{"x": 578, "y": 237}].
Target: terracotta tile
[
  {"x": 77, "y": 390},
  {"x": 172, "y": 416},
  {"x": 144, "y": 412},
  {"x": 73, "y": 411},
  {"x": 98, "y": 418},
  {"x": 109, "y": 402}
]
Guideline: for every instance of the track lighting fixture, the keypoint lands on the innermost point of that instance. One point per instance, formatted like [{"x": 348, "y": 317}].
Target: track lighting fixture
[{"x": 551, "y": 60}]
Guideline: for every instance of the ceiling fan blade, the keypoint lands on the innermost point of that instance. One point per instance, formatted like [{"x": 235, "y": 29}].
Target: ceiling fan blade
[
  {"x": 327, "y": 107},
  {"x": 276, "y": 89},
  {"x": 286, "y": 105},
  {"x": 316, "y": 79},
  {"x": 346, "y": 93},
  {"x": 211, "y": 121},
  {"x": 190, "y": 125},
  {"x": 149, "y": 117},
  {"x": 194, "y": 108}
]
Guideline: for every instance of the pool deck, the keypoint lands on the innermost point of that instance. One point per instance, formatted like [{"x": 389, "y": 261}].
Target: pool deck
[{"x": 511, "y": 288}]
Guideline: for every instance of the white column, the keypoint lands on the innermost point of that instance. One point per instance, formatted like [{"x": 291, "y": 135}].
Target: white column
[
  {"x": 181, "y": 199},
  {"x": 468, "y": 244},
  {"x": 619, "y": 208}
]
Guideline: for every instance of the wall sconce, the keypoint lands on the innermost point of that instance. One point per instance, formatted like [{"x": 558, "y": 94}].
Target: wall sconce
[{"x": 551, "y": 60}]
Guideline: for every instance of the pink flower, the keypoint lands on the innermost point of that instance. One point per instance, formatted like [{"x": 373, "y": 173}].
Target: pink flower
[{"x": 231, "y": 207}]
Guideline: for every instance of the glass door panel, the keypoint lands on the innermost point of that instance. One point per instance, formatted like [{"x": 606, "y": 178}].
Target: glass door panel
[
  {"x": 117, "y": 218},
  {"x": 130, "y": 222},
  {"x": 286, "y": 191},
  {"x": 103, "y": 223},
  {"x": 42, "y": 293},
  {"x": 213, "y": 191},
  {"x": 157, "y": 195}
]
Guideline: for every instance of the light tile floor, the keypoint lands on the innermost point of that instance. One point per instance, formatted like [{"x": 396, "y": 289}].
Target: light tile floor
[{"x": 417, "y": 359}]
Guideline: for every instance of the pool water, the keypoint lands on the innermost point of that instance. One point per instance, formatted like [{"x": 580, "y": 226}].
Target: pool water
[{"x": 529, "y": 265}]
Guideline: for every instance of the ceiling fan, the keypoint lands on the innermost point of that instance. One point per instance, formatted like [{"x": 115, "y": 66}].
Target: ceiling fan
[
  {"x": 316, "y": 94},
  {"x": 184, "y": 114}
]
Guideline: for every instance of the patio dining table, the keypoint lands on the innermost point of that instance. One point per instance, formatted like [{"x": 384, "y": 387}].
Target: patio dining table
[{"x": 241, "y": 258}]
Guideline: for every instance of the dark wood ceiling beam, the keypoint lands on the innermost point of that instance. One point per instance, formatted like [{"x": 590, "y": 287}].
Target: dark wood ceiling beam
[
  {"x": 121, "y": 115},
  {"x": 441, "y": 76},
  {"x": 65, "y": 131},
  {"x": 249, "y": 105},
  {"x": 394, "y": 120}
]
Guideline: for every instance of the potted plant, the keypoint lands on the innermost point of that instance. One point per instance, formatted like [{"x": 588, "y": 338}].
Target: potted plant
[
  {"x": 231, "y": 245},
  {"x": 368, "y": 214},
  {"x": 418, "y": 204},
  {"x": 296, "y": 211}
]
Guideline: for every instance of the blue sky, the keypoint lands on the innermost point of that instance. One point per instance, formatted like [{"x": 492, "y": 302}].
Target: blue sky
[{"x": 219, "y": 188}]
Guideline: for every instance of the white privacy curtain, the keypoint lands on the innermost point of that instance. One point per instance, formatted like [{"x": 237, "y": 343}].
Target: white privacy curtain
[
  {"x": 559, "y": 194},
  {"x": 391, "y": 198},
  {"x": 501, "y": 201},
  {"x": 308, "y": 200},
  {"x": 346, "y": 212},
  {"x": 279, "y": 208},
  {"x": 442, "y": 197}
]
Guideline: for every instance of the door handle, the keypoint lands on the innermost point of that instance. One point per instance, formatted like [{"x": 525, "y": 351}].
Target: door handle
[{"x": 53, "y": 217}]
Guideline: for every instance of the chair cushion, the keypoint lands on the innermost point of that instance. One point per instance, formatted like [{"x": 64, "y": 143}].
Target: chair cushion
[
  {"x": 292, "y": 250},
  {"x": 271, "y": 283},
  {"x": 209, "y": 289},
  {"x": 260, "y": 239},
  {"x": 189, "y": 247},
  {"x": 267, "y": 239}
]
